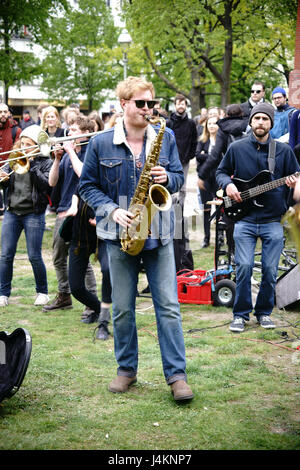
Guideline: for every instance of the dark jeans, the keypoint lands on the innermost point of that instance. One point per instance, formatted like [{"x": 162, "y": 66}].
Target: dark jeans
[
  {"x": 77, "y": 270},
  {"x": 12, "y": 226}
]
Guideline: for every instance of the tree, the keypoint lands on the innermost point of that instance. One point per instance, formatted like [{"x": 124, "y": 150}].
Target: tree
[
  {"x": 17, "y": 68},
  {"x": 195, "y": 48},
  {"x": 80, "y": 60}
]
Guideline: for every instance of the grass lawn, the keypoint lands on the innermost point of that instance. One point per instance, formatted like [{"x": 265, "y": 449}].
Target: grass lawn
[{"x": 246, "y": 385}]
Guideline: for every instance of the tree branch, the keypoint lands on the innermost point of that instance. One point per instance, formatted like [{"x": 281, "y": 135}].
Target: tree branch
[{"x": 161, "y": 75}]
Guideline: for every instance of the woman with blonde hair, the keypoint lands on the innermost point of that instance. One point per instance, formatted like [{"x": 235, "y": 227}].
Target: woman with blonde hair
[
  {"x": 205, "y": 145},
  {"x": 50, "y": 122}
]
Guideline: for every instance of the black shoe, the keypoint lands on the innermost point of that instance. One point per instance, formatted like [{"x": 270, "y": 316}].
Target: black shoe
[
  {"x": 146, "y": 290},
  {"x": 89, "y": 316},
  {"x": 103, "y": 332},
  {"x": 205, "y": 244},
  {"x": 62, "y": 301}
]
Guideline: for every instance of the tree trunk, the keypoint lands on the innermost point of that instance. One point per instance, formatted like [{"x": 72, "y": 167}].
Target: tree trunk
[{"x": 227, "y": 62}]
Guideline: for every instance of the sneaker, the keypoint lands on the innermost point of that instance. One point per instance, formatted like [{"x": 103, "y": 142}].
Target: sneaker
[
  {"x": 3, "y": 301},
  {"x": 41, "y": 299},
  {"x": 266, "y": 322},
  {"x": 238, "y": 325}
]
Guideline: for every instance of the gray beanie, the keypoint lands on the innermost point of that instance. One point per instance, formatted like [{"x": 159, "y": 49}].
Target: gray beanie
[{"x": 265, "y": 108}]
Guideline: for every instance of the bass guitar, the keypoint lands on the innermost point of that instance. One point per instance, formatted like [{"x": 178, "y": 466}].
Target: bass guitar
[{"x": 259, "y": 184}]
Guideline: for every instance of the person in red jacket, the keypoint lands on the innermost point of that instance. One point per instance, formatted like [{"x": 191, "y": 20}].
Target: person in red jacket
[
  {"x": 9, "y": 131},
  {"x": 9, "y": 134}
]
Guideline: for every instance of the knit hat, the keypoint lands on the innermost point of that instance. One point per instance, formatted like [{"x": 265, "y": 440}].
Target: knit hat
[
  {"x": 278, "y": 89},
  {"x": 31, "y": 132},
  {"x": 265, "y": 108}
]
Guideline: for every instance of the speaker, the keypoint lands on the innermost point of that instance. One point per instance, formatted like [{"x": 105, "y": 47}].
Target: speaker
[{"x": 288, "y": 287}]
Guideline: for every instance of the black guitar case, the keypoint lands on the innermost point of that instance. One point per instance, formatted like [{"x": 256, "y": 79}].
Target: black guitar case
[{"x": 15, "y": 352}]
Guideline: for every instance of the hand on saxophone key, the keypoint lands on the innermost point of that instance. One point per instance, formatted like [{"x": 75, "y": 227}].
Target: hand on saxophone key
[
  {"x": 159, "y": 174},
  {"x": 122, "y": 217}
]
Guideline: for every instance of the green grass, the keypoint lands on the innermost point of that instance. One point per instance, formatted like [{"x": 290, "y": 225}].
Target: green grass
[{"x": 246, "y": 386}]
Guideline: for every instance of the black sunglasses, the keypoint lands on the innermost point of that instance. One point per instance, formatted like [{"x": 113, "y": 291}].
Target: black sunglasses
[
  {"x": 256, "y": 91},
  {"x": 142, "y": 103}
]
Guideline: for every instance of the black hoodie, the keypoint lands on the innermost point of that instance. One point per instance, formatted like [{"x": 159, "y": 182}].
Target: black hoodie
[
  {"x": 230, "y": 129},
  {"x": 185, "y": 131}
]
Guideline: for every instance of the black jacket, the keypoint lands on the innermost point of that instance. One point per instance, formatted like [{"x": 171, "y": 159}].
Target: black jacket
[
  {"x": 202, "y": 156},
  {"x": 39, "y": 173},
  {"x": 185, "y": 131},
  {"x": 84, "y": 235},
  {"x": 230, "y": 129},
  {"x": 247, "y": 157}
]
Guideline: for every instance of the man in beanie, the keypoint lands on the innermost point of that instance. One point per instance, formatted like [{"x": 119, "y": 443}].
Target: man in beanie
[
  {"x": 244, "y": 159},
  {"x": 283, "y": 114},
  {"x": 26, "y": 198}
]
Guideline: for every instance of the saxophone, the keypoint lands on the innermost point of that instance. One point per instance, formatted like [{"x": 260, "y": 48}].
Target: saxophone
[{"x": 147, "y": 199}]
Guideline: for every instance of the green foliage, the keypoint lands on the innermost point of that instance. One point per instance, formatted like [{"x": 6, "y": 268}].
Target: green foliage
[
  {"x": 17, "y": 68},
  {"x": 81, "y": 55},
  {"x": 211, "y": 51}
]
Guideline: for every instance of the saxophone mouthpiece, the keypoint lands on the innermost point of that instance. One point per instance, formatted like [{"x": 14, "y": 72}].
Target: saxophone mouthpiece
[{"x": 152, "y": 119}]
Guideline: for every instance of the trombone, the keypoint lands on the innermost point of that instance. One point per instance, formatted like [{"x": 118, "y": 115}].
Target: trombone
[
  {"x": 45, "y": 143},
  {"x": 20, "y": 163}
]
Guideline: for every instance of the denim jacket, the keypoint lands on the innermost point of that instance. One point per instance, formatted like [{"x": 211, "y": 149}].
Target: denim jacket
[{"x": 108, "y": 179}]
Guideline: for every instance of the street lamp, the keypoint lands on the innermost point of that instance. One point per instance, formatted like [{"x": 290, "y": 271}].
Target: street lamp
[{"x": 124, "y": 40}]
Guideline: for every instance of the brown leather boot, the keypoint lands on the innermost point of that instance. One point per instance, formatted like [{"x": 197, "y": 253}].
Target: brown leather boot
[
  {"x": 121, "y": 384},
  {"x": 181, "y": 391},
  {"x": 62, "y": 301}
]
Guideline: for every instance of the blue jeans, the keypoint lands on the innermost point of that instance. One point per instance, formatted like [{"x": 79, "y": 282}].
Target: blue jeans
[
  {"x": 245, "y": 237},
  {"x": 160, "y": 269},
  {"x": 12, "y": 226}
]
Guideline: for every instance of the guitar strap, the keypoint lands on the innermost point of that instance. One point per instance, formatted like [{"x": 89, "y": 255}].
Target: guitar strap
[{"x": 271, "y": 156}]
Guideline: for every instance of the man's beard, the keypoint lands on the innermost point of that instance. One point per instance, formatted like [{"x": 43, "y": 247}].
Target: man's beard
[{"x": 261, "y": 134}]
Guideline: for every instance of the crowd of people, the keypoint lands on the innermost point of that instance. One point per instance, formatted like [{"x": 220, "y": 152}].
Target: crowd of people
[{"x": 86, "y": 180}]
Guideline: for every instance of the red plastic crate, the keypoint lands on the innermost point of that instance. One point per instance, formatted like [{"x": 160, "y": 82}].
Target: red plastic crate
[{"x": 189, "y": 290}]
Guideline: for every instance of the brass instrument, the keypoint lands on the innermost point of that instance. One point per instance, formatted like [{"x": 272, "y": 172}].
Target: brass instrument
[
  {"x": 147, "y": 199},
  {"x": 18, "y": 162},
  {"x": 45, "y": 143},
  {"x": 292, "y": 217}
]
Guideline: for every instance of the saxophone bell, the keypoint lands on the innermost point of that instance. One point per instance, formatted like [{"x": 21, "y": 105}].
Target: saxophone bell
[{"x": 292, "y": 219}]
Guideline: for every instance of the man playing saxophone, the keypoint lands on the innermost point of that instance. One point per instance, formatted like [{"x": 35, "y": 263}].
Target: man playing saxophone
[{"x": 111, "y": 173}]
